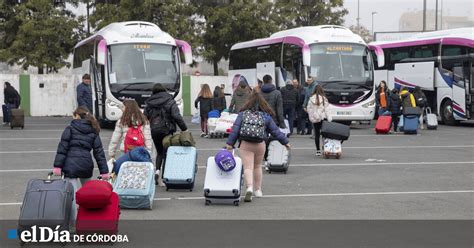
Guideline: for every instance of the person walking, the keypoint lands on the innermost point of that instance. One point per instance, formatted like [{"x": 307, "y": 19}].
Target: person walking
[
  {"x": 251, "y": 127},
  {"x": 84, "y": 93},
  {"x": 289, "y": 95},
  {"x": 163, "y": 115},
  {"x": 300, "y": 113},
  {"x": 381, "y": 97},
  {"x": 422, "y": 102},
  {"x": 407, "y": 98},
  {"x": 132, "y": 117},
  {"x": 274, "y": 100},
  {"x": 73, "y": 156},
  {"x": 394, "y": 106},
  {"x": 11, "y": 100},
  {"x": 310, "y": 85},
  {"x": 316, "y": 109},
  {"x": 240, "y": 96},
  {"x": 206, "y": 104},
  {"x": 219, "y": 99}
]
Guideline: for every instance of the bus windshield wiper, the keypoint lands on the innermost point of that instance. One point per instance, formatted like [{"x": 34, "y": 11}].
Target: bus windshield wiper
[{"x": 129, "y": 85}]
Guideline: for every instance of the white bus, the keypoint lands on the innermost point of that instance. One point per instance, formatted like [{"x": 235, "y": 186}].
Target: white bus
[
  {"x": 440, "y": 62},
  {"x": 338, "y": 59},
  {"x": 125, "y": 60}
]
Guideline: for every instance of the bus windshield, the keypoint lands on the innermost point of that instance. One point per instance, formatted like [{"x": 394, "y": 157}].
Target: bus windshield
[
  {"x": 144, "y": 63},
  {"x": 341, "y": 62}
]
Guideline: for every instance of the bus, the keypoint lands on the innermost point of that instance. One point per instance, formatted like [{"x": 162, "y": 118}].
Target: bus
[
  {"x": 125, "y": 60},
  {"x": 440, "y": 62},
  {"x": 334, "y": 56}
]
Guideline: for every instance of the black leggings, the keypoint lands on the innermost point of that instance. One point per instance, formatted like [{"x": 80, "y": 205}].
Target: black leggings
[
  {"x": 160, "y": 151},
  {"x": 317, "y": 132}
]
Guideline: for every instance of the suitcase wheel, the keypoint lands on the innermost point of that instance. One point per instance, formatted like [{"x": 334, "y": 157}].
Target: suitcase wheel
[
  {"x": 207, "y": 202},
  {"x": 167, "y": 188},
  {"x": 11, "y": 127},
  {"x": 236, "y": 203},
  {"x": 338, "y": 156},
  {"x": 269, "y": 172},
  {"x": 191, "y": 190}
]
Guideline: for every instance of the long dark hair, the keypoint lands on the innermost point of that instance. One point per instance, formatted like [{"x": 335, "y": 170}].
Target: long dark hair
[
  {"x": 84, "y": 113},
  {"x": 218, "y": 92},
  {"x": 318, "y": 91},
  {"x": 256, "y": 101},
  {"x": 132, "y": 114}
]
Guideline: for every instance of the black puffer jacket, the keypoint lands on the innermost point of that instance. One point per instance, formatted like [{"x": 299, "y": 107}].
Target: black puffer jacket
[
  {"x": 11, "y": 96},
  {"x": 163, "y": 100},
  {"x": 74, "y": 151},
  {"x": 205, "y": 105},
  {"x": 273, "y": 97},
  {"x": 290, "y": 95},
  {"x": 394, "y": 104}
]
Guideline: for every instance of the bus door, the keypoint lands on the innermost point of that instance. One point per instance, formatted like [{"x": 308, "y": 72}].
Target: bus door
[
  {"x": 459, "y": 90},
  {"x": 99, "y": 93}
]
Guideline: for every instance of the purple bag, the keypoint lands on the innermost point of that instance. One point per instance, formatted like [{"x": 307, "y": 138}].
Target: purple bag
[{"x": 225, "y": 160}]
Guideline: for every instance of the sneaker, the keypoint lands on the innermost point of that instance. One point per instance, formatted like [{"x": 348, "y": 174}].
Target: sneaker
[
  {"x": 258, "y": 193},
  {"x": 203, "y": 134},
  {"x": 248, "y": 195},
  {"x": 157, "y": 176},
  {"x": 206, "y": 136},
  {"x": 318, "y": 153}
]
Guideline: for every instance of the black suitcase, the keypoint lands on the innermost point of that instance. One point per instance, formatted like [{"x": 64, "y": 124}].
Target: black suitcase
[
  {"x": 17, "y": 118},
  {"x": 334, "y": 130},
  {"x": 46, "y": 203},
  {"x": 411, "y": 111}
]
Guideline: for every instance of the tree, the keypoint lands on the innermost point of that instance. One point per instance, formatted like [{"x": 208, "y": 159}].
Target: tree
[
  {"x": 291, "y": 13},
  {"x": 363, "y": 32},
  {"x": 46, "y": 36}
]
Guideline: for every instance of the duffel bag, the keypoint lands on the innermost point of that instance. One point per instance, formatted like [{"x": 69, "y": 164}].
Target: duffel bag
[{"x": 334, "y": 130}]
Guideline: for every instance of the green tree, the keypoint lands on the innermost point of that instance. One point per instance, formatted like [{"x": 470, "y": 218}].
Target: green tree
[
  {"x": 45, "y": 38},
  {"x": 8, "y": 23}
]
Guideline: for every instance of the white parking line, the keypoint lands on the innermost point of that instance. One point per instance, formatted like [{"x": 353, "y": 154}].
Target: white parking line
[
  {"x": 312, "y": 195},
  {"x": 305, "y": 165}
]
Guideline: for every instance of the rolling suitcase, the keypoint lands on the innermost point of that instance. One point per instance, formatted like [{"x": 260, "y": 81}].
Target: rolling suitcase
[
  {"x": 99, "y": 209},
  {"x": 47, "y": 203},
  {"x": 17, "y": 118},
  {"x": 332, "y": 148},
  {"x": 410, "y": 124},
  {"x": 223, "y": 187},
  {"x": 431, "y": 120},
  {"x": 135, "y": 185},
  {"x": 383, "y": 124},
  {"x": 278, "y": 159},
  {"x": 180, "y": 167},
  {"x": 334, "y": 130}
]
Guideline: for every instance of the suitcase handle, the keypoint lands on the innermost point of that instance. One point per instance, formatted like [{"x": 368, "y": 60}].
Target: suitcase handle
[{"x": 51, "y": 174}]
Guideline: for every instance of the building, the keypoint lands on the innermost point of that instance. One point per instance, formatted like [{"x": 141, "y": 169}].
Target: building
[{"x": 413, "y": 21}]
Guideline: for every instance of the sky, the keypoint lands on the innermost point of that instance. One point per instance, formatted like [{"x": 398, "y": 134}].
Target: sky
[{"x": 389, "y": 11}]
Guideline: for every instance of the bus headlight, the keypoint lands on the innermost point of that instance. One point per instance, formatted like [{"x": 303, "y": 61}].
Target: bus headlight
[
  {"x": 370, "y": 104},
  {"x": 112, "y": 104}
]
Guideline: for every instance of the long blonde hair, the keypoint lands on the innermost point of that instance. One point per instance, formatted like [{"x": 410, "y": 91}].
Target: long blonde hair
[{"x": 205, "y": 91}]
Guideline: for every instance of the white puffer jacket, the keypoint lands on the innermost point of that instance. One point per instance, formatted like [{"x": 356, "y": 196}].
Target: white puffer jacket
[
  {"x": 119, "y": 135},
  {"x": 317, "y": 113}
]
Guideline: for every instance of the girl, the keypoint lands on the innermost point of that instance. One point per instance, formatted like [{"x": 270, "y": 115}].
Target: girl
[
  {"x": 219, "y": 99},
  {"x": 205, "y": 101},
  {"x": 381, "y": 97},
  {"x": 131, "y": 117},
  {"x": 240, "y": 96},
  {"x": 252, "y": 152},
  {"x": 73, "y": 157},
  {"x": 316, "y": 107}
]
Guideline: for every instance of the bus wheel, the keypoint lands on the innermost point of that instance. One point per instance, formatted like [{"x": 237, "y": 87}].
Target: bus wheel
[{"x": 447, "y": 113}]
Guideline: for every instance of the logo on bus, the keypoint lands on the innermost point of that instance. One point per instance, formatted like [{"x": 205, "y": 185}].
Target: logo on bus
[{"x": 146, "y": 36}]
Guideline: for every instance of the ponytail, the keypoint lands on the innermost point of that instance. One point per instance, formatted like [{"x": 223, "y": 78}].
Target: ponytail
[{"x": 86, "y": 115}]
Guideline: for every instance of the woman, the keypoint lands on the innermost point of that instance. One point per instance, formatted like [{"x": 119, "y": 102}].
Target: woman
[
  {"x": 131, "y": 117},
  {"x": 252, "y": 152},
  {"x": 394, "y": 108},
  {"x": 163, "y": 114},
  {"x": 219, "y": 99},
  {"x": 11, "y": 100},
  {"x": 422, "y": 102},
  {"x": 381, "y": 97},
  {"x": 317, "y": 112},
  {"x": 205, "y": 101},
  {"x": 240, "y": 96}
]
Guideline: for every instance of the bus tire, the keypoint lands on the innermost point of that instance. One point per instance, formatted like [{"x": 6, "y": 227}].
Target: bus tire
[{"x": 447, "y": 113}]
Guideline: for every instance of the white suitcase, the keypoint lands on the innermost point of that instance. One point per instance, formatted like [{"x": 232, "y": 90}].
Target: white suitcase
[
  {"x": 431, "y": 119},
  {"x": 223, "y": 187},
  {"x": 278, "y": 159},
  {"x": 332, "y": 148}
]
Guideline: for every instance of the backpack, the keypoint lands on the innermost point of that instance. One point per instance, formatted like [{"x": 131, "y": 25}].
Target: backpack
[
  {"x": 134, "y": 138},
  {"x": 317, "y": 113},
  {"x": 252, "y": 128},
  {"x": 160, "y": 121}
]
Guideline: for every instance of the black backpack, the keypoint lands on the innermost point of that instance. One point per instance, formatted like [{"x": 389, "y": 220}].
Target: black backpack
[
  {"x": 252, "y": 128},
  {"x": 160, "y": 121}
]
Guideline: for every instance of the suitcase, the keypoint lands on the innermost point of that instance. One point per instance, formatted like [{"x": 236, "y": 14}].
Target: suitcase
[
  {"x": 410, "y": 124},
  {"x": 400, "y": 123},
  {"x": 431, "y": 120},
  {"x": 334, "y": 130},
  {"x": 47, "y": 203},
  {"x": 135, "y": 185},
  {"x": 278, "y": 159},
  {"x": 411, "y": 111},
  {"x": 17, "y": 118},
  {"x": 383, "y": 125},
  {"x": 180, "y": 167},
  {"x": 103, "y": 220},
  {"x": 332, "y": 148},
  {"x": 223, "y": 187}
]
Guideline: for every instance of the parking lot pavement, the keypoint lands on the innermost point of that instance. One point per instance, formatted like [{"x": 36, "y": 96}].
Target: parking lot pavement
[{"x": 424, "y": 176}]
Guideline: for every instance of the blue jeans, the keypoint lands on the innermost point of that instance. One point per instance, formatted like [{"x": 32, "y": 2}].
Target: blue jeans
[
  {"x": 7, "y": 113},
  {"x": 289, "y": 114}
]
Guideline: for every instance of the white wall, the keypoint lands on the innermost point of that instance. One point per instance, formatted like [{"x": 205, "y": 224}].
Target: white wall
[
  {"x": 57, "y": 97},
  {"x": 13, "y": 79},
  {"x": 213, "y": 81}
]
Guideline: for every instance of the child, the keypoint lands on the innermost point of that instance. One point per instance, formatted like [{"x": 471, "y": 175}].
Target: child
[
  {"x": 205, "y": 100},
  {"x": 73, "y": 157},
  {"x": 317, "y": 112}
]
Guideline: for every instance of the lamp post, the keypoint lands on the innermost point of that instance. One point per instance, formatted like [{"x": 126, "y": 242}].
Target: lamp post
[{"x": 373, "y": 13}]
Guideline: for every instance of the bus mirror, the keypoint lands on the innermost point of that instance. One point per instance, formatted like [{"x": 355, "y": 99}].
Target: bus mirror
[
  {"x": 186, "y": 50},
  {"x": 378, "y": 51},
  {"x": 306, "y": 57},
  {"x": 102, "y": 52}
]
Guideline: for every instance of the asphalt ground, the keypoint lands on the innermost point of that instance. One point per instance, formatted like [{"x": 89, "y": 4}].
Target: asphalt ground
[{"x": 428, "y": 176}]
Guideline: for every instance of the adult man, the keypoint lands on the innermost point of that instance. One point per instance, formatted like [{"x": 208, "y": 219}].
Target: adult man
[
  {"x": 311, "y": 84},
  {"x": 84, "y": 92},
  {"x": 274, "y": 99},
  {"x": 301, "y": 115},
  {"x": 289, "y": 93}
]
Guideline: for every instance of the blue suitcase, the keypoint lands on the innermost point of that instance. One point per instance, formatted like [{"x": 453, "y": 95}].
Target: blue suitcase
[
  {"x": 180, "y": 167},
  {"x": 410, "y": 124},
  {"x": 135, "y": 185}
]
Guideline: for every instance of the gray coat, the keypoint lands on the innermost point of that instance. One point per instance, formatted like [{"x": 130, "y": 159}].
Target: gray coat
[
  {"x": 274, "y": 99},
  {"x": 239, "y": 98}
]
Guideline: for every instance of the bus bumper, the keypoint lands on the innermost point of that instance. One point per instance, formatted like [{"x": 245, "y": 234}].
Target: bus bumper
[{"x": 351, "y": 113}]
